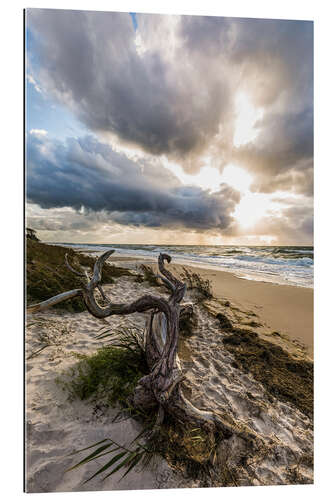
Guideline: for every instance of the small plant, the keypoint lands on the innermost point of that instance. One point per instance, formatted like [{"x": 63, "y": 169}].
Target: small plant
[
  {"x": 186, "y": 448},
  {"x": 196, "y": 282},
  {"x": 125, "y": 459},
  {"x": 125, "y": 337},
  {"x": 110, "y": 374},
  {"x": 148, "y": 275}
]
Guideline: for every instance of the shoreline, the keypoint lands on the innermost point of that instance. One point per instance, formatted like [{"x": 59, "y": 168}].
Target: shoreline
[
  {"x": 252, "y": 274},
  {"x": 286, "y": 309},
  {"x": 265, "y": 382}
]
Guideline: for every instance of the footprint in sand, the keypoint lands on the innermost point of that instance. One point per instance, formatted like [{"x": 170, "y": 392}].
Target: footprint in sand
[
  {"x": 216, "y": 381},
  {"x": 212, "y": 393},
  {"x": 203, "y": 361}
]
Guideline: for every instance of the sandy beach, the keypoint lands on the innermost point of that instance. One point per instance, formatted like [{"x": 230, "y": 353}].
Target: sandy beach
[
  {"x": 286, "y": 309},
  {"x": 169, "y": 251},
  {"x": 56, "y": 425}
]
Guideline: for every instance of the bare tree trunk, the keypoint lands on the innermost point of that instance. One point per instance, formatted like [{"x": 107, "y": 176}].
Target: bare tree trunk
[{"x": 161, "y": 387}]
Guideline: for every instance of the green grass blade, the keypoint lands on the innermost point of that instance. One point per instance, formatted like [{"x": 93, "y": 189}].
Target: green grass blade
[
  {"x": 107, "y": 465},
  {"x": 88, "y": 447},
  {"x": 122, "y": 464},
  {"x": 89, "y": 457},
  {"x": 133, "y": 463}
]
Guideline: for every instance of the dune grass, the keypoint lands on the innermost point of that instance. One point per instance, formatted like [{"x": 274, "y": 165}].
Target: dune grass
[
  {"x": 108, "y": 378},
  {"x": 47, "y": 274},
  {"x": 195, "y": 281},
  {"x": 109, "y": 375}
]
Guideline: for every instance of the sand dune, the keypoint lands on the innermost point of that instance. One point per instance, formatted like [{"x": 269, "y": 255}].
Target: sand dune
[
  {"x": 284, "y": 308},
  {"x": 57, "y": 426}
]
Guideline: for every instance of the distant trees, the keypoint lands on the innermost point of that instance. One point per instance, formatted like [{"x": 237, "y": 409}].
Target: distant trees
[{"x": 31, "y": 234}]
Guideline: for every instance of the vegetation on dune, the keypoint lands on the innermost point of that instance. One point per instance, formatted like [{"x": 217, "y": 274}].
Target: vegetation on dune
[
  {"x": 148, "y": 275},
  {"x": 195, "y": 281},
  {"x": 31, "y": 234},
  {"x": 282, "y": 375},
  {"x": 108, "y": 377},
  {"x": 47, "y": 274}
]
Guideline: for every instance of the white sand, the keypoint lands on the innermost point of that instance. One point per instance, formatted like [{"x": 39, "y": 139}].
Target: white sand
[
  {"x": 57, "y": 426},
  {"x": 214, "y": 383}
]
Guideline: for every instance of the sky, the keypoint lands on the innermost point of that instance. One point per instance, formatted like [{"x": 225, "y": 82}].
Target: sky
[{"x": 160, "y": 129}]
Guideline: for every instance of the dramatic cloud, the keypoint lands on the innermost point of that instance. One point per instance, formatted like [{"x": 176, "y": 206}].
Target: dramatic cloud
[
  {"x": 185, "y": 92},
  {"x": 169, "y": 87},
  {"x": 282, "y": 155},
  {"x": 271, "y": 61},
  {"x": 89, "y": 176},
  {"x": 293, "y": 226},
  {"x": 90, "y": 62}
]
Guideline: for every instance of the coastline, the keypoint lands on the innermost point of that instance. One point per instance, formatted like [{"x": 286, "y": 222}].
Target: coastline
[
  {"x": 279, "y": 265},
  {"x": 285, "y": 309},
  {"x": 215, "y": 379}
]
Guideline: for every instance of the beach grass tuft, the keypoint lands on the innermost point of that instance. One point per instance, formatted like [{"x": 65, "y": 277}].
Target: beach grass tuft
[
  {"x": 108, "y": 376},
  {"x": 196, "y": 282},
  {"x": 47, "y": 274},
  {"x": 148, "y": 275}
]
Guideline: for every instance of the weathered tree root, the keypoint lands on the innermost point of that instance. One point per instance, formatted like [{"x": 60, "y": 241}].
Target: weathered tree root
[{"x": 161, "y": 387}]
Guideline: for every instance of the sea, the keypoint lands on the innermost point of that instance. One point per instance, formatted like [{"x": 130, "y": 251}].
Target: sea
[{"x": 291, "y": 265}]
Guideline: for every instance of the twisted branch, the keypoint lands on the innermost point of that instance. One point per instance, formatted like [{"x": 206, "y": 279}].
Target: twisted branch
[
  {"x": 61, "y": 297},
  {"x": 162, "y": 385},
  {"x": 176, "y": 287},
  {"x": 74, "y": 271},
  {"x": 143, "y": 304}
]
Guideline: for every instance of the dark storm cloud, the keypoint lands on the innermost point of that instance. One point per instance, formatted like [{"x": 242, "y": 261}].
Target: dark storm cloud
[
  {"x": 175, "y": 94},
  {"x": 89, "y": 61},
  {"x": 87, "y": 174}
]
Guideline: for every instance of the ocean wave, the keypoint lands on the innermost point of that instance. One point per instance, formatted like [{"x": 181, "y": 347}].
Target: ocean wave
[
  {"x": 292, "y": 265},
  {"x": 302, "y": 261}
]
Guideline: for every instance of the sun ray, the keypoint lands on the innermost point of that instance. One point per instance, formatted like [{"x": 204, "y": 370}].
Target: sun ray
[{"x": 246, "y": 118}]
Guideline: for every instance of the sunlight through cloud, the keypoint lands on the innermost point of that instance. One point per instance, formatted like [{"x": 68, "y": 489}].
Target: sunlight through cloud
[{"x": 246, "y": 117}]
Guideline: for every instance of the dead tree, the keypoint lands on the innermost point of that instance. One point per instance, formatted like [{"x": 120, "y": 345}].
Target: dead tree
[{"x": 162, "y": 386}]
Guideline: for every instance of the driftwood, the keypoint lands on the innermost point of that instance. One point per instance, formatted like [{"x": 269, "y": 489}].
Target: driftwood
[{"x": 162, "y": 386}]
